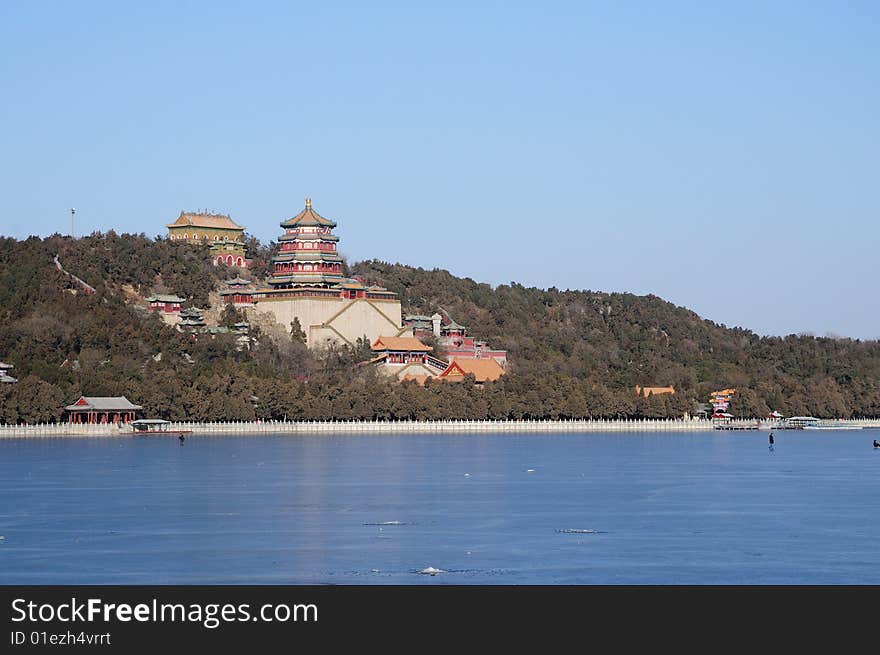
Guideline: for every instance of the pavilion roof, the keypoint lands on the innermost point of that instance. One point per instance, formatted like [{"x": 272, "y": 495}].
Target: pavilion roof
[
  {"x": 103, "y": 403},
  {"x": 308, "y": 236},
  {"x": 406, "y": 344},
  {"x": 236, "y": 281},
  {"x": 199, "y": 219},
  {"x": 308, "y": 217},
  {"x": 484, "y": 370},
  {"x": 4, "y": 366},
  {"x": 301, "y": 256},
  {"x": 304, "y": 278},
  {"x": 165, "y": 298}
]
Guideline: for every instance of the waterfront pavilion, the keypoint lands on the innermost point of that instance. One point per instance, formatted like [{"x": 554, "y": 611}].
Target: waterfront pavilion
[{"x": 98, "y": 409}]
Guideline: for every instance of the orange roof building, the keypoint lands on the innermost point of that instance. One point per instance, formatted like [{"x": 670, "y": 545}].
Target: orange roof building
[
  {"x": 406, "y": 358},
  {"x": 654, "y": 391},
  {"x": 399, "y": 344},
  {"x": 720, "y": 402},
  {"x": 484, "y": 370}
]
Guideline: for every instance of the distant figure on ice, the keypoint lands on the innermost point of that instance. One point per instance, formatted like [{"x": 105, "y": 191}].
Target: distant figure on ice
[
  {"x": 876, "y": 444},
  {"x": 771, "y": 439},
  {"x": 182, "y": 439}
]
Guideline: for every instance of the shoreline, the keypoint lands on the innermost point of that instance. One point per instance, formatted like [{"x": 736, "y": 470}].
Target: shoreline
[{"x": 396, "y": 427}]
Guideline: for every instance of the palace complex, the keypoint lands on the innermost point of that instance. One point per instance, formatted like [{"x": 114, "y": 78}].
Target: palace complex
[
  {"x": 308, "y": 284},
  {"x": 454, "y": 338},
  {"x": 220, "y": 231},
  {"x": 407, "y": 358}
]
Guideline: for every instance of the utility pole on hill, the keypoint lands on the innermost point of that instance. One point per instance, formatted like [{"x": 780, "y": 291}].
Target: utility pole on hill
[{"x": 72, "y": 212}]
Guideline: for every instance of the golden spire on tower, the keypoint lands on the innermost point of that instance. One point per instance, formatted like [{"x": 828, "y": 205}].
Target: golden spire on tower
[{"x": 308, "y": 203}]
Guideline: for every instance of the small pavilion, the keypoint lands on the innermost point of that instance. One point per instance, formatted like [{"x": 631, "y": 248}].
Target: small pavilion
[
  {"x": 169, "y": 304},
  {"x": 98, "y": 409}
]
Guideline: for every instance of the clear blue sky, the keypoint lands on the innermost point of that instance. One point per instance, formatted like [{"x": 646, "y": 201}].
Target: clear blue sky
[{"x": 722, "y": 155}]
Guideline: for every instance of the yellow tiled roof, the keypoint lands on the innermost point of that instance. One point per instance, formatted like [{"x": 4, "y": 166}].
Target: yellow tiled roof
[
  {"x": 308, "y": 216},
  {"x": 656, "y": 391},
  {"x": 205, "y": 220},
  {"x": 483, "y": 369},
  {"x": 409, "y": 344}
]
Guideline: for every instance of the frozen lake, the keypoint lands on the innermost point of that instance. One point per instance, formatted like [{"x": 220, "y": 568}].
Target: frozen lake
[{"x": 623, "y": 508}]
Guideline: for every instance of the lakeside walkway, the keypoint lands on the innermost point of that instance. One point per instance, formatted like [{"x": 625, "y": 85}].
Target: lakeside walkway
[{"x": 394, "y": 427}]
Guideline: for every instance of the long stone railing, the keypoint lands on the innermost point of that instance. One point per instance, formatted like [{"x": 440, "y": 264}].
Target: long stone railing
[
  {"x": 393, "y": 427},
  {"x": 362, "y": 427},
  {"x": 443, "y": 426}
]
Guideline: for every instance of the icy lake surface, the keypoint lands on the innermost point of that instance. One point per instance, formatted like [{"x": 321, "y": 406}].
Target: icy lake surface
[{"x": 665, "y": 508}]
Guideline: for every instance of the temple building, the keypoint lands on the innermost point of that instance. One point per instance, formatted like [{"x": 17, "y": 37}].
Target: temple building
[
  {"x": 191, "y": 318},
  {"x": 238, "y": 291},
  {"x": 454, "y": 338},
  {"x": 92, "y": 409},
  {"x": 423, "y": 325},
  {"x": 167, "y": 304},
  {"x": 405, "y": 358},
  {"x": 483, "y": 370},
  {"x": 237, "y": 283},
  {"x": 308, "y": 283},
  {"x": 225, "y": 237},
  {"x": 654, "y": 391}
]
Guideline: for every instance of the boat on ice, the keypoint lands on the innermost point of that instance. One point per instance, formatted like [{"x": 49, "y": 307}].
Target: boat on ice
[{"x": 155, "y": 426}]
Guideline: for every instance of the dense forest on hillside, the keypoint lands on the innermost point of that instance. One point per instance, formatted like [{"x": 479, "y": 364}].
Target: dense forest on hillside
[{"x": 572, "y": 353}]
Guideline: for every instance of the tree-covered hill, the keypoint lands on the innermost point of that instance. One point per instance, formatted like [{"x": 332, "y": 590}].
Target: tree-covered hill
[
  {"x": 620, "y": 340},
  {"x": 572, "y": 353}
]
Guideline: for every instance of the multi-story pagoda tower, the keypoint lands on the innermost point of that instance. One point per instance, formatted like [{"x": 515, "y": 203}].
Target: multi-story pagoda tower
[
  {"x": 307, "y": 284},
  {"x": 307, "y": 253}
]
